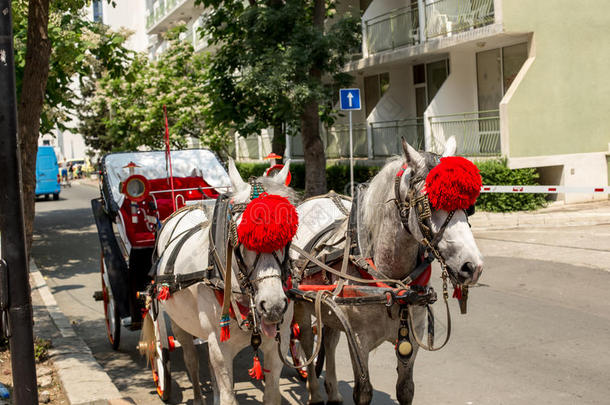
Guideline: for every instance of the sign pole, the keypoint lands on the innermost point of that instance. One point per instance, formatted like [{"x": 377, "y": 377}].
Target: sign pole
[
  {"x": 349, "y": 99},
  {"x": 351, "y": 156}
]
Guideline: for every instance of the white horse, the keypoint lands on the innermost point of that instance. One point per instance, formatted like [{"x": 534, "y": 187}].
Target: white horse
[
  {"x": 195, "y": 311},
  {"x": 395, "y": 251}
]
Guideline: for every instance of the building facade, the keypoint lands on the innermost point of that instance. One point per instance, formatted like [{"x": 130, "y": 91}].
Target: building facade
[{"x": 513, "y": 78}]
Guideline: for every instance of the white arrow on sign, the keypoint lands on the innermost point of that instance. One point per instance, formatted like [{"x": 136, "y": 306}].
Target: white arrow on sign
[{"x": 350, "y": 96}]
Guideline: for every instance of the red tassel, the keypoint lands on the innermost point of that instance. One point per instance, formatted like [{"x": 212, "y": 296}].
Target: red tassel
[
  {"x": 225, "y": 331},
  {"x": 257, "y": 371},
  {"x": 164, "y": 294},
  {"x": 457, "y": 292},
  {"x": 296, "y": 331}
]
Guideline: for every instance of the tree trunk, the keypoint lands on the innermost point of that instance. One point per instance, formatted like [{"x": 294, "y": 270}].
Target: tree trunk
[
  {"x": 313, "y": 148},
  {"x": 278, "y": 142},
  {"x": 35, "y": 74},
  {"x": 313, "y": 151}
]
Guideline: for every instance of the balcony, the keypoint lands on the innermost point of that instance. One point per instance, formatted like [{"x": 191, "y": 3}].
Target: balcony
[
  {"x": 446, "y": 17},
  {"x": 167, "y": 13},
  {"x": 336, "y": 141},
  {"x": 401, "y": 27},
  {"x": 386, "y": 136},
  {"x": 391, "y": 30},
  {"x": 477, "y": 133}
]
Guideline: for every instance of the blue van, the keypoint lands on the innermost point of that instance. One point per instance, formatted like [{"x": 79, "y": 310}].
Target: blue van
[{"x": 47, "y": 171}]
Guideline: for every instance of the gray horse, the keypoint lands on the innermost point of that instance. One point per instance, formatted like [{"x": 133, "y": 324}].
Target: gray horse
[{"x": 395, "y": 251}]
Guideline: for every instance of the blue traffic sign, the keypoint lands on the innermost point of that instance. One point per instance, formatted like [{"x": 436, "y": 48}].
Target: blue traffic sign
[{"x": 349, "y": 99}]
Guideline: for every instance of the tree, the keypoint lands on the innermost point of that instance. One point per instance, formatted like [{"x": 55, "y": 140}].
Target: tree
[
  {"x": 126, "y": 113},
  {"x": 268, "y": 67},
  {"x": 56, "y": 37}
]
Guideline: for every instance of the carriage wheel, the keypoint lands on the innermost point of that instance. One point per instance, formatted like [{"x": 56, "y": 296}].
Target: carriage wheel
[
  {"x": 111, "y": 312},
  {"x": 159, "y": 363}
]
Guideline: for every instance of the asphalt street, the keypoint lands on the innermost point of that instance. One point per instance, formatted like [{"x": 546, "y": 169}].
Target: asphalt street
[{"x": 537, "y": 331}]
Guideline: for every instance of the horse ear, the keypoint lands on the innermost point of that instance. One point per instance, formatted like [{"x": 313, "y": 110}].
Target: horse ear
[
  {"x": 236, "y": 181},
  {"x": 412, "y": 157},
  {"x": 450, "y": 147},
  {"x": 281, "y": 176}
]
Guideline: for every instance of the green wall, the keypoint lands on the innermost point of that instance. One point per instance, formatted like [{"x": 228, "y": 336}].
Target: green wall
[{"x": 563, "y": 103}]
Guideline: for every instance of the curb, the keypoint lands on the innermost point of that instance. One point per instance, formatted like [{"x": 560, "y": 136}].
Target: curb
[
  {"x": 491, "y": 221},
  {"x": 82, "y": 378}
]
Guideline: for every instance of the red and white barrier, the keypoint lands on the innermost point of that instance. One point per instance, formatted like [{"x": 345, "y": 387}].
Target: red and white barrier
[{"x": 544, "y": 189}]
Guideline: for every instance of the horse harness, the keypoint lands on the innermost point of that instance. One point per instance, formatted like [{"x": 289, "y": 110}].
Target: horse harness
[{"x": 223, "y": 243}]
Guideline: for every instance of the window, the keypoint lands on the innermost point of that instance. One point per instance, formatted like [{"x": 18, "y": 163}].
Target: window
[
  {"x": 428, "y": 79},
  {"x": 496, "y": 71},
  {"x": 374, "y": 88},
  {"x": 98, "y": 14},
  {"x": 513, "y": 58},
  {"x": 436, "y": 73}
]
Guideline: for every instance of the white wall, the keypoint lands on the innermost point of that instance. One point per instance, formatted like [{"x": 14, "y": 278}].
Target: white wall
[
  {"x": 129, "y": 14},
  {"x": 579, "y": 170},
  {"x": 457, "y": 94},
  {"x": 399, "y": 101}
]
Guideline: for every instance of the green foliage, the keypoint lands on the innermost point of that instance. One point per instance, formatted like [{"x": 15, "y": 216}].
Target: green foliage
[
  {"x": 260, "y": 75},
  {"x": 496, "y": 172},
  {"x": 77, "y": 47},
  {"x": 125, "y": 113},
  {"x": 337, "y": 175},
  {"x": 41, "y": 349}
]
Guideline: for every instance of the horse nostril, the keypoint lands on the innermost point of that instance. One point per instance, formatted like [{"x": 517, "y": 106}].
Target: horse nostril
[
  {"x": 285, "y": 305},
  {"x": 262, "y": 304},
  {"x": 468, "y": 268}
]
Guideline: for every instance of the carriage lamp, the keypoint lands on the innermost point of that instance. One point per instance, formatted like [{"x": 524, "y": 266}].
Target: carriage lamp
[{"x": 135, "y": 188}]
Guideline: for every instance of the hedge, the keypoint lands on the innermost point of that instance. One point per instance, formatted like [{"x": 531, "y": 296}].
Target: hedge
[
  {"x": 493, "y": 172},
  {"x": 497, "y": 173},
  {"x": 337, "y": 175}
]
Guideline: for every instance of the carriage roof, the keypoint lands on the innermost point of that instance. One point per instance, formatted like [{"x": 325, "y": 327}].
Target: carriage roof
[{"x": 151, "y": 164}]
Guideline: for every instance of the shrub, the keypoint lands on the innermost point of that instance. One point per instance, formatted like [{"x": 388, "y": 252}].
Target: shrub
[
  {"x": 41, "y": 349},
  {"x": 497, "y": 173}
]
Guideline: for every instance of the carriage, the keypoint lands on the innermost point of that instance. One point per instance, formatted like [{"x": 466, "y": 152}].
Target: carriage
[
  {"x": 138, "y": 192},
  {"x": 137, "y": 195}
]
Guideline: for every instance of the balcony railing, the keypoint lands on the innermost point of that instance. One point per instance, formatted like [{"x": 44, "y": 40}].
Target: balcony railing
[
  {"x": 444, "y": 17},
  {"x": 336, "y": 141},
  {"x": 391, "y": 30},
  {"x": 386, "y": 136},
  {"x": 165, "y": 6},
  {"x": 477, "y": 133}
]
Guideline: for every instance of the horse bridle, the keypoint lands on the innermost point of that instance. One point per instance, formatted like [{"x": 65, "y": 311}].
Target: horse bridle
[
  {"x": 423, "y": 211},
  {"x": 245, "y": 272}
]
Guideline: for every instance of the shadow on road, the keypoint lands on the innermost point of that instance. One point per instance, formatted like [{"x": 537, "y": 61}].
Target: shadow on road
[{"x": 65, "y": 248}]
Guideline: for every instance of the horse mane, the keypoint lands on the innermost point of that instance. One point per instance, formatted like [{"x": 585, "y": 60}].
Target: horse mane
[
  {"x": 371, "y": 202},
  {"x": 376, "y": 195}
]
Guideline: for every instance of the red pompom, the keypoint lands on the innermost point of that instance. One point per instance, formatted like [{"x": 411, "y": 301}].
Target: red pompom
[
  {"x": 268, "y": 224},
  {"x": 455, "y": 183}
]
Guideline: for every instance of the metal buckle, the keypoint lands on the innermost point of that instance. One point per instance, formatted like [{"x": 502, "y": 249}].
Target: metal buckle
[{"x": 422, "y": 205}]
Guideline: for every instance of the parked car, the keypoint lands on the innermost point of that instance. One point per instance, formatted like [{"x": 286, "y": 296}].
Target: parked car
[{"x": 47, "y": 179}]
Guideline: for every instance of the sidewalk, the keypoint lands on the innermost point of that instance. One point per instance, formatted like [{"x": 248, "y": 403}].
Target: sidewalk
[
  {"x": 558, "y": 214},
  {"x": 83, "y": 380}
]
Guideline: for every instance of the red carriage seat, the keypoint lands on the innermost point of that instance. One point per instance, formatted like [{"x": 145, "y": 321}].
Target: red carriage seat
[{"x": 138, "y": 233}]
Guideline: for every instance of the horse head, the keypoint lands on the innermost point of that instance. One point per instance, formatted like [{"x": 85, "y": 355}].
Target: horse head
[
  {"x": 440, "y": 190},
  {"x": 264, "y": 228}
]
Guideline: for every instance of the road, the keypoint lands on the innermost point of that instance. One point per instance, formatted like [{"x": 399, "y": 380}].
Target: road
[{"x": 537, "y": 331}]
